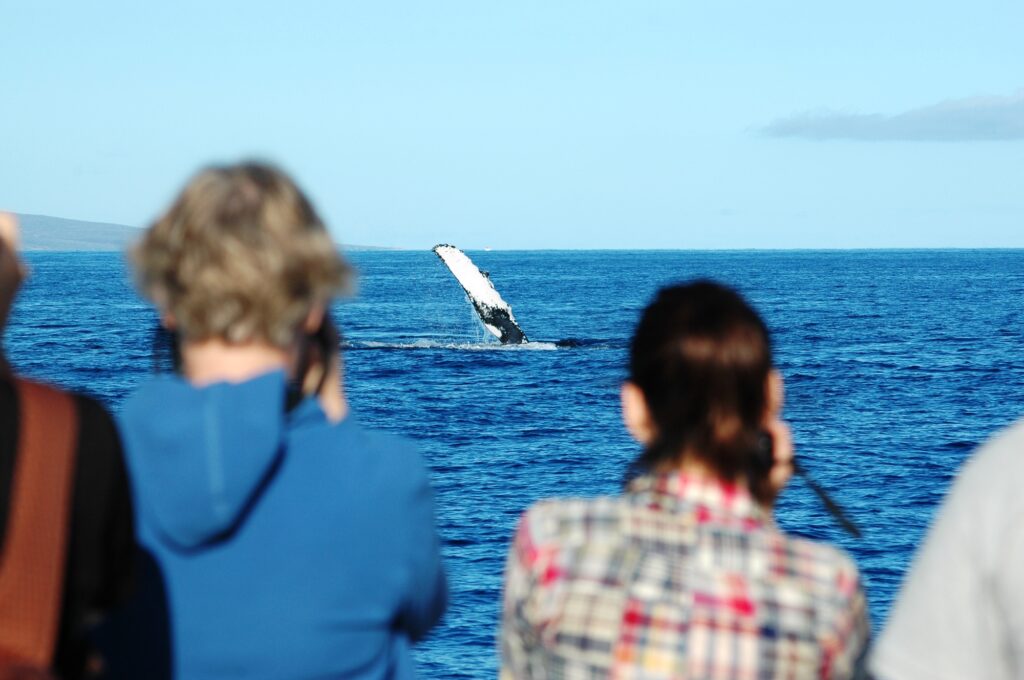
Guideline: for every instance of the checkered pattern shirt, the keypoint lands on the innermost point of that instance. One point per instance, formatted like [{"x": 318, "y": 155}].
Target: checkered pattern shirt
[{"x": 681, "y": 577}]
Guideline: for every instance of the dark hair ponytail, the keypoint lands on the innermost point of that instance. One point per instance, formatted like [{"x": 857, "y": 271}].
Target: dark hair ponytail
[{"x": 701, "y": 356}]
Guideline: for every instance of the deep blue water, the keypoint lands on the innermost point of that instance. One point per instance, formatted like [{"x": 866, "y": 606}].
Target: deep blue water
[{"x": 898, "y": 363}]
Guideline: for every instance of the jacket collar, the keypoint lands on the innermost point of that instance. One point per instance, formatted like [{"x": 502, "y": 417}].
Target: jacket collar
[{"x": 711, "y": 499}]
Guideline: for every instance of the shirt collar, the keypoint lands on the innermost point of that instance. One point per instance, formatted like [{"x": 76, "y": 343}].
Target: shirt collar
[{"x": 712, "y": 499}]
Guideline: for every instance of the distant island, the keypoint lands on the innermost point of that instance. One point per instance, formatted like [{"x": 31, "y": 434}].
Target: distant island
[
  {"x": 42, "y": 232},
  {"x": 46, "y": 233}
]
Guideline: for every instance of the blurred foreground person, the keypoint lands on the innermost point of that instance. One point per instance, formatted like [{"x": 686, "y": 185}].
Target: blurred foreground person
[
  {"x": 686, "y": 575},
  {"x": 66, "y": 540},
  {"x": 960, "y": 613},
  {"x": 293, "y": 542}
]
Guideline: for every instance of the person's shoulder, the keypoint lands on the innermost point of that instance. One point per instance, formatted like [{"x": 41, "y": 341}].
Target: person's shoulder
[
  {"x": 574, "y": 521},
  {"x": 147, "y": 399},
  {"x": 87, "y": 405},
  {"x": 379, "y": 441},
  {"x": 986, "y": 491},
  {"x": 372, "y": 444},
  {"x": 999, "y": 460},
  {"x": 1010, "y": 436},
  {"x": 91, "y": 409},
  {"x": 91, "y": 413},
  {"x": 373, "y": 453},
  {"x": 7, "y": 393},
  {"x": 96, "y": 432},
  {"x": 823, "y": 569},
  {"x": 98, "y": 445}
]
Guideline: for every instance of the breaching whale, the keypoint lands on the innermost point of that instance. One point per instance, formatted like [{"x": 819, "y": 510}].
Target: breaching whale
[{"x": 494, "y": 312}]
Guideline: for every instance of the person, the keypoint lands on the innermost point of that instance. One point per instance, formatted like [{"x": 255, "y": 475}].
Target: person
[
  {"x": 685, "y": 575},
  {"x": 66, "y": 541},
  {"x": 960, "y": 612},
  {"x": 293, "y": 541}
]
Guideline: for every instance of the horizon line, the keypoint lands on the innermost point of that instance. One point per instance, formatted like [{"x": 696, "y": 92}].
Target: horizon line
[
  {"x": 354, "y": 247},
  {"x": 798, "y": 249}
]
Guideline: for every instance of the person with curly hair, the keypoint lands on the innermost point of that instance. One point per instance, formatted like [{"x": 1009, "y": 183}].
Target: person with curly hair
[{"x": 293, "y": 541}]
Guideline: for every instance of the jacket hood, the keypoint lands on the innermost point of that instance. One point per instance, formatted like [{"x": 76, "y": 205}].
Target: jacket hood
[{"x": 199, "y": 455}]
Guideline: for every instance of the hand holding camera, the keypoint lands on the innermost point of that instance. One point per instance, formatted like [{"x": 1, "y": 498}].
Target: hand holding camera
[{"x": 319, "y": 369}]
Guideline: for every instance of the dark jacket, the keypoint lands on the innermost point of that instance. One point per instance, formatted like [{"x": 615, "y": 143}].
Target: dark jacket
[{"x": 101, "y": 547}]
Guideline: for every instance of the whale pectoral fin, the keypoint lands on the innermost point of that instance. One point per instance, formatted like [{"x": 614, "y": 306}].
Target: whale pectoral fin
[{"x": 494, "y": 312}]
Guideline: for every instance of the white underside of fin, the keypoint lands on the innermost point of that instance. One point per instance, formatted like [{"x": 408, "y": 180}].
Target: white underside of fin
[{"x": 477, "y": 286}]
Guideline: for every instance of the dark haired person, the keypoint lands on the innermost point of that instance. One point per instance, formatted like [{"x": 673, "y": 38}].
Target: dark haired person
[
  {"x": 960, "y": 612},
  {"x": 66, "y": 543},
  {"x": 685, "y": 575},
  {"x": 293, "y": 542}
]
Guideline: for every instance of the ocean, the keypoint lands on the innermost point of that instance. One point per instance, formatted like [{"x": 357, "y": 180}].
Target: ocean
[{"x": 897, "y": 365}]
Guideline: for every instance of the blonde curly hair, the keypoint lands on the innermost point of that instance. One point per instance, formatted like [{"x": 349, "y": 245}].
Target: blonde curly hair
[{"x": 241, "y": 256}]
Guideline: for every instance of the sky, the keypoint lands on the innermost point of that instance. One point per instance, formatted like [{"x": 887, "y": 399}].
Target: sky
[{"x": 550, "y": 124}]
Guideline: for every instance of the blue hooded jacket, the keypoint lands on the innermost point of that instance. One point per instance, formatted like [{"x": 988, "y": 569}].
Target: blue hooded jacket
[{"x": 290, "y": 547}]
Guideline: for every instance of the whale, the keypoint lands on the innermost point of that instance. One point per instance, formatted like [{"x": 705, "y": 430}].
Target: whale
[{"x": 494, "y": 312}]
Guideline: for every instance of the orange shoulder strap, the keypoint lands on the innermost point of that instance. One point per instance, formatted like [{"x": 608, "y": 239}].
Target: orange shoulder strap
[{"x": 34, "y": 553}]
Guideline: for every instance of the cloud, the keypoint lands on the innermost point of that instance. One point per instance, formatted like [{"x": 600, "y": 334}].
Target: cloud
[{"x": 970, "y": 119}]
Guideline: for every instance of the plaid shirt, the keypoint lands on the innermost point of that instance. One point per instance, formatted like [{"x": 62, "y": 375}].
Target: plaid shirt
[{"x": 681, "y": 577}]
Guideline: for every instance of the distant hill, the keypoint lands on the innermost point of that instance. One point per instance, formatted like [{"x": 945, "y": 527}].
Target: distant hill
[{"x": 42, "y": 232}]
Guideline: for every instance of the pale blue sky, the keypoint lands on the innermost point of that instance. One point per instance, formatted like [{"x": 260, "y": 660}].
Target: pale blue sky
[{"x": 549, "y": 124}]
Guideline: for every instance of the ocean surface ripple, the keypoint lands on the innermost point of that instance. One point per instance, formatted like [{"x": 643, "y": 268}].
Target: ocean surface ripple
[{"x": 898, "y": 363}]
